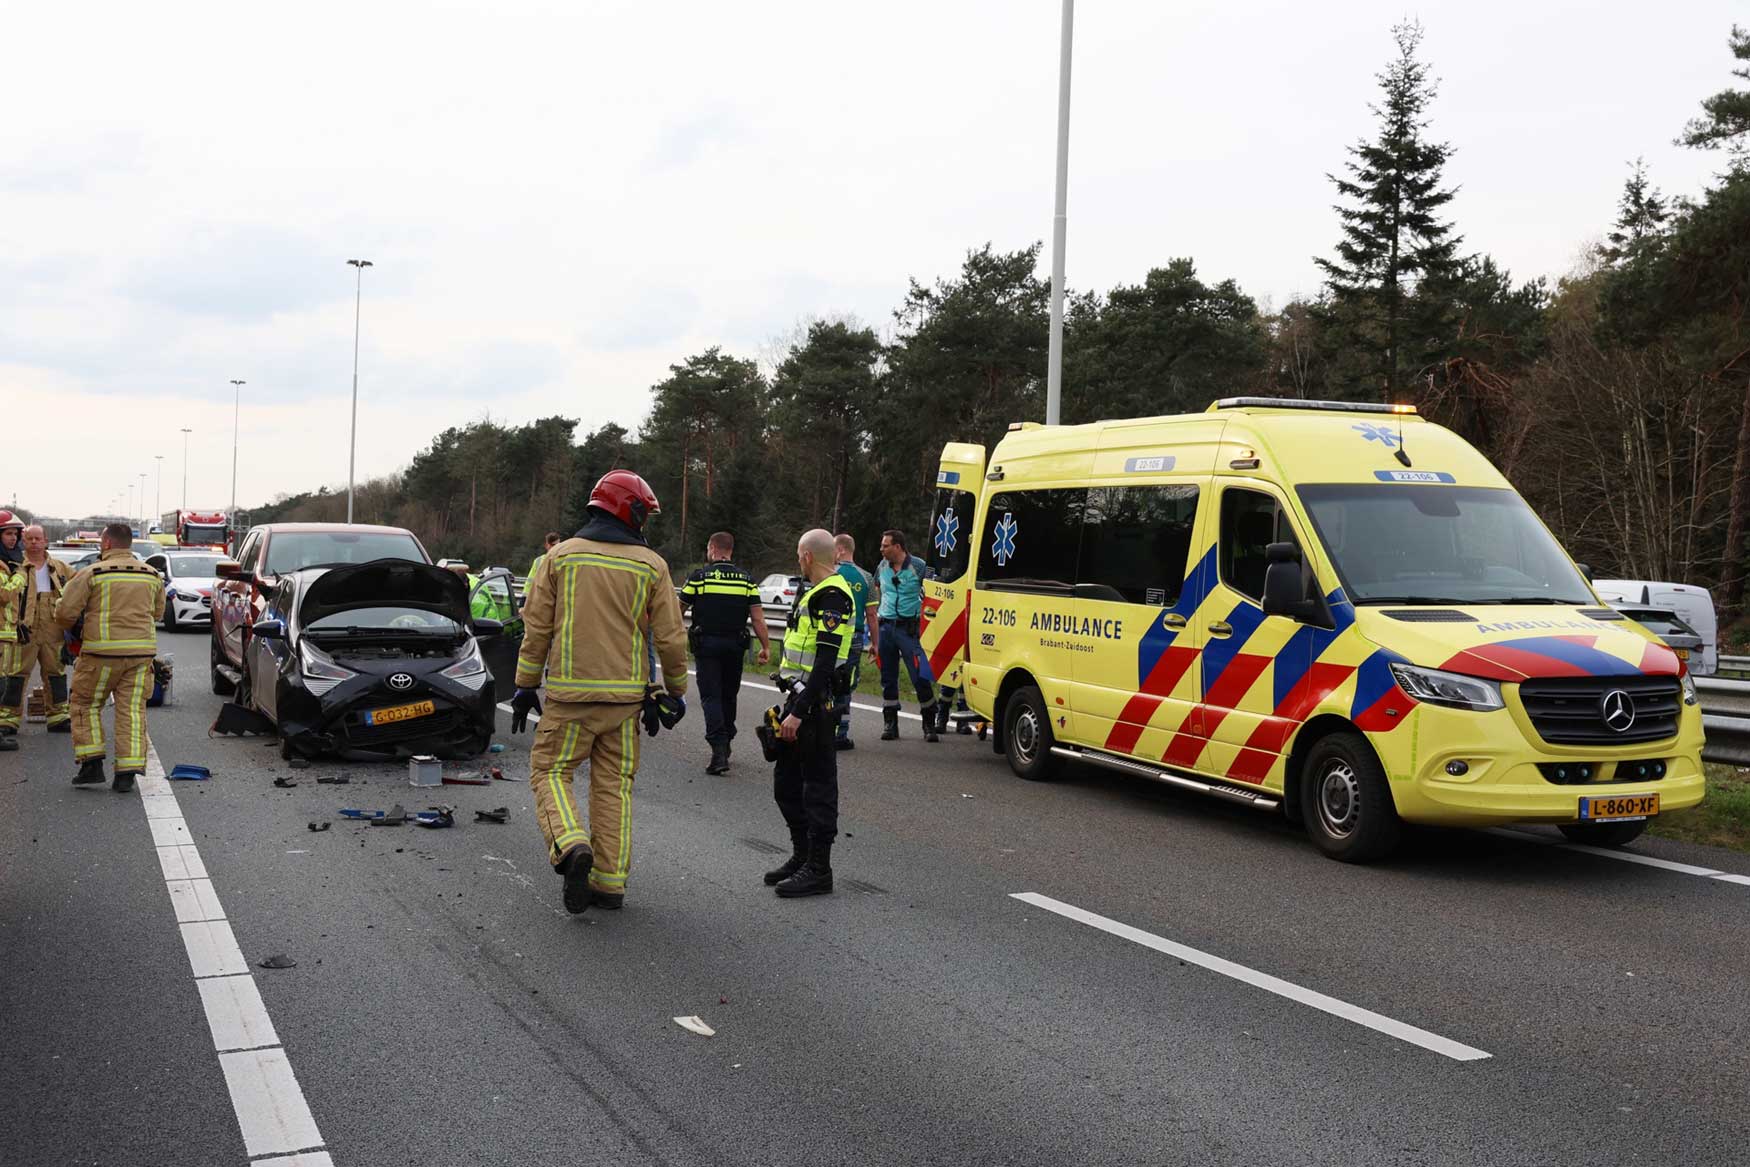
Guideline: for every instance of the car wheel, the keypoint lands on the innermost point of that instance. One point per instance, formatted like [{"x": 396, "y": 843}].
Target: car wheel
[
  {"x": 1346, "y": 802},
  {"x": 1603, "y": 834},
  {"x": 1027, "y": 736},
  {"x": 222, "y": 685},
  {"x": 170, "y": 615}
]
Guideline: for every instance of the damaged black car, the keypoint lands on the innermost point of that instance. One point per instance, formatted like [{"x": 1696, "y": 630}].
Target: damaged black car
[{"x": 380, "y": 659}]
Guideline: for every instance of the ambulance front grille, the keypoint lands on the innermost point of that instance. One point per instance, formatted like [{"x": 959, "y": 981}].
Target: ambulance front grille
[{"x": 1569, "y": 711}]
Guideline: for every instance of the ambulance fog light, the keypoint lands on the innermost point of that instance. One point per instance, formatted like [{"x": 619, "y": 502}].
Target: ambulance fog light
[
  {"x": 1457, "y": 768},
  {"x": 1453, "y": 690}
]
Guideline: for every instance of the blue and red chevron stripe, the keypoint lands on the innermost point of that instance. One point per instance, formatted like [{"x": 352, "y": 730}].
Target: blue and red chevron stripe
[
  {"x": 1559, "y": 656},
  {"x": 1160, "y": 661}
]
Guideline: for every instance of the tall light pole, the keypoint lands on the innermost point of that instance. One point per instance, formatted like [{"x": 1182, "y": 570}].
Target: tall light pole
[
  {"x": 1059, "y": 224},
  {"x": 158, "y": 494},
  {"x": 185, "y": 432},
  {"x": 353, "y": 446},
  {"x": 236, "y": 417},
  {"x": 145, "y": 526}
]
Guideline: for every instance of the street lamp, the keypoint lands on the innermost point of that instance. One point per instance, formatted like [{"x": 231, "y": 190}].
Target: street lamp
[
  {"x": 236, "y": 415},
  {"x": 144, "y": 525},
  {"x": 158, "y": 494},
  {"x": 185, "y": 432},
  {"x": 352, "y": 450},
  {"x": 1059, "y": 224}
]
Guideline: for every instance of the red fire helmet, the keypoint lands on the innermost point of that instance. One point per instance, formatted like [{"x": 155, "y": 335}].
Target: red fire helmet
[{"x": 626, "y": 496}]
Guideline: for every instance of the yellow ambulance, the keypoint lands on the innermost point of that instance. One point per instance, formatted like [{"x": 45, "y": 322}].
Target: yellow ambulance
[{"x": 1340, "y": 611}]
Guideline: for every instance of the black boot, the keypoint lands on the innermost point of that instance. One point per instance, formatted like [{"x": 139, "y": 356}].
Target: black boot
[
  {"x": 8, "y": 742},
  {"x": 719, "y": 763},
  {"x": 124, "y": 781},
  {"x": 943, "y": 708},
  {"x": 930, "y": 723},
  {"x": 575, "y": 868},
  {"x": 890, "y": 730},
  {"x": 61, "y": 726},
  {"x": 90, "y": 771},
  {"x": 815, "y": 876},
  {"x": 790, "y": 866}
]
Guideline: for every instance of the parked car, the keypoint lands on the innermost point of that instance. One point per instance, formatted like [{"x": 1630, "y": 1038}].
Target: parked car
[
  {"x": 1693, "y": 605},
  {"x": 380, "y": 658},
  {"x": 271, "y": 551},
  {"x": 189, "y": 579},
  {"x": 779, "y": 589},
  {"x": 1667, "y": 626}
]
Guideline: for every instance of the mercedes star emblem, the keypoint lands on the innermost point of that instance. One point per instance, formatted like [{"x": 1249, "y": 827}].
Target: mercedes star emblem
[
  {"x": 1618, "y": 709},
  {"x": 405, "y": 681}
]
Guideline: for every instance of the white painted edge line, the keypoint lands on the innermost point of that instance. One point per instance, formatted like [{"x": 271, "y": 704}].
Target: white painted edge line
[
  {"x": 1623, "y": 856},
  {"x": 272, "y": 1114},
  {"x": 1444, "y": 1046}
]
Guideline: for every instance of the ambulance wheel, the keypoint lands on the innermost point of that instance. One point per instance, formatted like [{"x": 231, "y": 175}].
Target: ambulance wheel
[
  {"x": 1346, "y": 802},
  {"x": 1603, "y": 834},
  {"x": 222, "y": 685},
  {"x": 1027, "y": 737}
]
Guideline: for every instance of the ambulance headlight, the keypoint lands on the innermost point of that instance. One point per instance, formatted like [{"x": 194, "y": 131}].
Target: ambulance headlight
[
  {"x": 1688, "y": 683},
  {"x": 1453, "y": 690}
]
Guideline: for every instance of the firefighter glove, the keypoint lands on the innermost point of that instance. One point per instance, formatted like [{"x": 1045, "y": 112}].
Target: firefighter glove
[{"x": 520, "y": 704}]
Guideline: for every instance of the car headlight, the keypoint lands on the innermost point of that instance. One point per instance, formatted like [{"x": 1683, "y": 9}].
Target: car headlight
[
  {"x": 1688, "y": 682},
  {"x": 1453, "y": 690},
  {"x": 318, "y": 665},
  {"x": 469, "y": 666}
]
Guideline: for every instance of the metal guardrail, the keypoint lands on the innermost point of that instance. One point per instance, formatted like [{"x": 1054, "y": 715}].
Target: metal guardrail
[
  {"x": 1725, "y": 716},
  {"x": 1734, "y": 664}
]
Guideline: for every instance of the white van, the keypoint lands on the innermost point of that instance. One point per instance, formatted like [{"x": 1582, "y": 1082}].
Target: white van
[{"x": 1693, "y": 605}]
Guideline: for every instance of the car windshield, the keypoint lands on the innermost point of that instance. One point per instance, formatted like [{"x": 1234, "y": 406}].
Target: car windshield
[
  {"x": 193, "y": 566},
  {"x": 291, "y": 550},
  {"x": 386, "y": 618},
  {"x": 1400, "y": 543},
  {"x": 191, "y": 533}
]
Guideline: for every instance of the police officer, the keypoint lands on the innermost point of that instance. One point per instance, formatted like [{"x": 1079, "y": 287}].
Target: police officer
[
  {"x": 119, "y": 601},
  {"x": 723, "y": 598},
  {"x": 597, "y": 604},
  {"x": 14, "y": 586},
  {"x": 39, "y": 640},
  {"x": 900, "y": 614},
  {"x": 862, "y": 586},
  {"x": 805, "y": 778}
]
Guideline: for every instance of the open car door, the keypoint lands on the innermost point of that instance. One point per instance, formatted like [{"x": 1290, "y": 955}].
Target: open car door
[{"x": 494, "y": 598}]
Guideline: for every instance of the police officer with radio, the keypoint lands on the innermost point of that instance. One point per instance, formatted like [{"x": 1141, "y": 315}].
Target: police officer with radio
[
  {"x": 722, "y": 598},
  {"x": 816, "y": 666}
]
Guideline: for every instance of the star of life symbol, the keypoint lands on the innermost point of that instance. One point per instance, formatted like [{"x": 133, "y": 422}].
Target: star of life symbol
[
  {"x": 1003, "y": 546},
  {"x": 947, "y": 532},
  {"x": 1377, "y": 433}
]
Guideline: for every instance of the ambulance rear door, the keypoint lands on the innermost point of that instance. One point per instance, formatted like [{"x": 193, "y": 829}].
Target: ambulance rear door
[{"x": 959, "y": 478}]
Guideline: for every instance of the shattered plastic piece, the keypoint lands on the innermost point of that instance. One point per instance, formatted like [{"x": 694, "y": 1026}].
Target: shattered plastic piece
[
  {"x": 471, "y": 778},
  {"x": 501, "y": 815},
  {"x": 285, "y": 783},
  {"x": 334, "y": 780},
  {"x": 234, "y": 719},
  {"x": 297, "y": 763},
  {"x": 436, "y": 817},
  {"x": 320, "y": 826},
  {"x": 696, "y": 1025},
  {"x": 498, "y": 775},
  {"x": 349, "y": 812},
  {"x": 278, "y": 960},
  {"x": 188, "y": 772},
  {"x": 495, "y": 748},
  {"x": 393, "y": 817}
]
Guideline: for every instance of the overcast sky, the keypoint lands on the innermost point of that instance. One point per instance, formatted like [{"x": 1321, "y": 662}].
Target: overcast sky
[{"x": 561, "y": 200}]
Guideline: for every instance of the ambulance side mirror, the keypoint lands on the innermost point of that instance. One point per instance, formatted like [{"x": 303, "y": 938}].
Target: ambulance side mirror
[{"x": 1284, "y": 591}]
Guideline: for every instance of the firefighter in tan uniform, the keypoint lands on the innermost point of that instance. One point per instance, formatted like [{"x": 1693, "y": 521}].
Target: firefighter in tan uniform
[
  {"x": 39, "y": 640},
  {"x": 594, "y": 606},
  {"x": 117, "y": 601},
  {"x": 13, "y": 630}
]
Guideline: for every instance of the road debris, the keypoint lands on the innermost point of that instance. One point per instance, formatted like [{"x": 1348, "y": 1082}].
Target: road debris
[
  {"x": 320, "y": 826},
  {"x": 501, "y": 815},
  {"x": 696, "y": 1025},
  {"x": 334, "y": 780},
  {"x": 470, "y": 778},
  {"x": 188, "y": 772},
  {"x": 298, "y": 763},
  {"x": 277, "y": 960},
  {"x": 436, "y": 817},
  {"x": 234, "y": 719},
  {"x": 285, "y": 783},
  {"x": 495, "y": 748}
]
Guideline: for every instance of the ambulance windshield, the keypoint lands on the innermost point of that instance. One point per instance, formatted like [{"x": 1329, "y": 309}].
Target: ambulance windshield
[{"x": 1402, "y": 543}]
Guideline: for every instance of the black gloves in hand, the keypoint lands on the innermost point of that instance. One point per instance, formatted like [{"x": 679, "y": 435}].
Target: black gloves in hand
[{"x": 520, "y": 704}]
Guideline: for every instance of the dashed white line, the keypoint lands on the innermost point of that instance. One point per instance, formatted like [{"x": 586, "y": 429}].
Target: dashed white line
[
  {"x": 272, "y": 1114},
  {"x": 1444, "y": 1046}
]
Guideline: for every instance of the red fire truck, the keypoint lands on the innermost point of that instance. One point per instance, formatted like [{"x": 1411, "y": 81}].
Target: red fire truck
[{"x": 198, "y": 528}]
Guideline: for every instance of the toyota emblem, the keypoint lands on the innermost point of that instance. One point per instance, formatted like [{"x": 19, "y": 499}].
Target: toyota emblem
[
  {"x": 405, "y": 681},
  {"x": 1618, "y": 710}
]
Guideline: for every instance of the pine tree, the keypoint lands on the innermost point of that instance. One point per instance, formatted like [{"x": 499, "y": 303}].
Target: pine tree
[
  {"x": 1395, "y": 252},
  {"x": 1725, "y": 119},
  {"x": 1641, "y": 218}
]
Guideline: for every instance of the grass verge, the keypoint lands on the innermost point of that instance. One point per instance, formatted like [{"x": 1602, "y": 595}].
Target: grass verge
[{"x": 1722, "y": 819}]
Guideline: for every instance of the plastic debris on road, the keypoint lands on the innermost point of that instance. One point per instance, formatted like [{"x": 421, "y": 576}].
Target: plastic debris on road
[
  {"x": 501, "y": 815},
  {"x": 495, "y": 748},
  {"x": 285, "y": 783},
  {"x": 695, "y": 1025},
  {"x": 470, "y": 778},
  {"x": 320, "y": 826},
  {"x": 278, "y": 960},
  {"x": 188, "y": 772}
]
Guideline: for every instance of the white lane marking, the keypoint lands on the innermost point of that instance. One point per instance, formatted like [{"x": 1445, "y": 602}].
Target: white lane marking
[
  {"x": 1623, "y": 856},
  {"x": 271, "y": 1111},
  {"x": 269, "y": 1103},
  {"x": 236, "y": 1014},
  {"x": 1239, "y": 972},
  {"x": 212, "y": 949},
  {"x": 194, "y": 899}
]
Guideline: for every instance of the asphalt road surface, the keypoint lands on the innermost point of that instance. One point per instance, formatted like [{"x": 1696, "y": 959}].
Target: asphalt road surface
[{"x": 1185, "y": 983}]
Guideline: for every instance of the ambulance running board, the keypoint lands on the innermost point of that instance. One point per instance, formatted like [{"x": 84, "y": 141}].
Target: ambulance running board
[{"x": 1255, "y": 799}]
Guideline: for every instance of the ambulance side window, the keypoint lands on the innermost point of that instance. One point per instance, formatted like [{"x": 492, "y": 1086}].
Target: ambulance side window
[
  {"x": 951, "y": 534},
  {"x": 1250, "y": 521},
  {"x": 1135, "y": 543},
  {"x": 1029, "y": 541}
]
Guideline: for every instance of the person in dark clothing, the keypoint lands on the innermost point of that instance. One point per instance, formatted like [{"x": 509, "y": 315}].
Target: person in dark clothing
[{"x": 722, "y": 598}]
